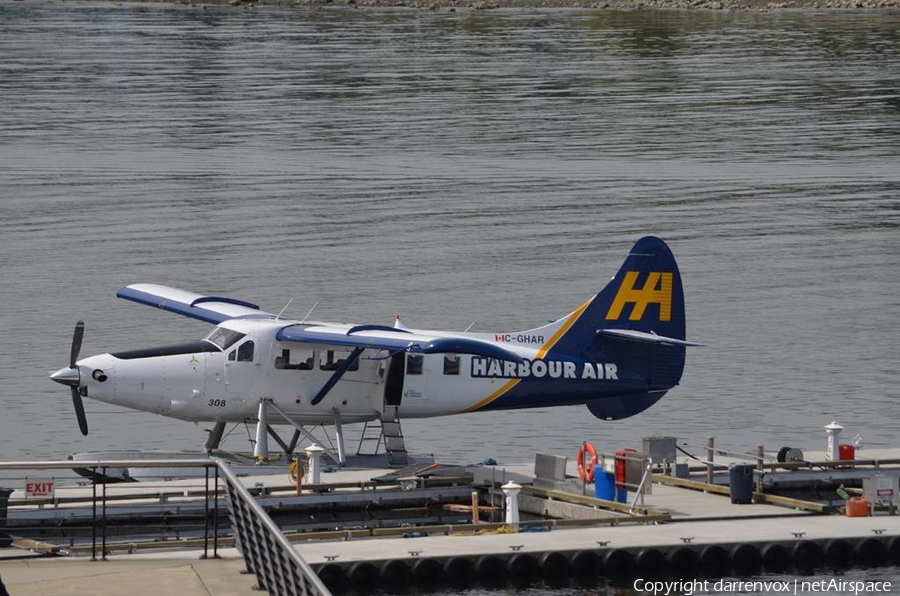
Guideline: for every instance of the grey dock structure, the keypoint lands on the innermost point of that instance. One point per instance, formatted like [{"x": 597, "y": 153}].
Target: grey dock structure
[{"x": 363, "y": 529}]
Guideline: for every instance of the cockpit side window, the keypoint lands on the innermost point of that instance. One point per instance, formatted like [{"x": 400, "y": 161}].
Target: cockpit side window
[
  {"x": 224, "y": 338},
  {"x": 245, "y": 351}
]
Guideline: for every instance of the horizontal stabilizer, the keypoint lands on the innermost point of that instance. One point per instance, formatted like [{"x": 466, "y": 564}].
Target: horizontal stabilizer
[{"x": 642, "y": 336}]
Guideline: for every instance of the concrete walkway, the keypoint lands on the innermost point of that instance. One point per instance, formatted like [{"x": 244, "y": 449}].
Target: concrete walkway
[
  {"x": 182, "y": 573},
  {"x": 725, "y": 531}
]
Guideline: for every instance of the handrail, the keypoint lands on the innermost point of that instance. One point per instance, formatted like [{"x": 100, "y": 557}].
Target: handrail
[
  {"x": 70, "y": 464},
  {"x": 279, "y": 568},
  {"x": 648, "y": 472}
]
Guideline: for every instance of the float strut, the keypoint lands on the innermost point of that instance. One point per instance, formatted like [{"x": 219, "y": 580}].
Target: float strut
[
  {"x": 339, "y": 437},
  {"x": 215, "y": 437},
  {"x": 261, "y": 449}
]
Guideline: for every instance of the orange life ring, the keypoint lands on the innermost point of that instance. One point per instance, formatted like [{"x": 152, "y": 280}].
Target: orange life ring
[{"x": 586, "y": 468}]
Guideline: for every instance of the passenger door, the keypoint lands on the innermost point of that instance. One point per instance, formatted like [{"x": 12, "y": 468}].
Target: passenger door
[{"x": 242, "y": 369}]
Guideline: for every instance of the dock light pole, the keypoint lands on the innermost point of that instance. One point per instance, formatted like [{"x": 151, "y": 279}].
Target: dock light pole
[
  {"x": 314, "y": 452},
  {"x": 834, "y": 441},
  {"x": 511, "y": 490}
]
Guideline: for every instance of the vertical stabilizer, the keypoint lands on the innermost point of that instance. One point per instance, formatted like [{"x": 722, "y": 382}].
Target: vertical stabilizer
[{"x": 636, "y": 321}]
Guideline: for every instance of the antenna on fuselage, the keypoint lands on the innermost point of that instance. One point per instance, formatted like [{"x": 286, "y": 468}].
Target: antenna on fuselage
[
  {"x": 469, "y": 327},
  {"x": 280, "y": 312},
  {"x": 310, "y": 311}
]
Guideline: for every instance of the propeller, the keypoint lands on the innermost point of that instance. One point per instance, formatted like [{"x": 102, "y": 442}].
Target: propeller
[
  {"x": 72, "y": 377},
  {"x": 76, "y": 343},
  {"x": 76, "y": 393}
]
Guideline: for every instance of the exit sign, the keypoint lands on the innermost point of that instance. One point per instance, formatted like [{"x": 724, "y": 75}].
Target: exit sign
[{"x": 40, "y": 488}]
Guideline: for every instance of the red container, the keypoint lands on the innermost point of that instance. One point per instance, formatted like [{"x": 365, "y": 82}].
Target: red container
[
  {"x": 620, "y": 465},
  {"x": 846, "y": 452},
  {"x": 858, "y": 507}
]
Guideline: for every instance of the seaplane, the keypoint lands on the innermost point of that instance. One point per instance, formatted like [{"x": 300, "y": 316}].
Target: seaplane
[{"x": 618, "y": 353}]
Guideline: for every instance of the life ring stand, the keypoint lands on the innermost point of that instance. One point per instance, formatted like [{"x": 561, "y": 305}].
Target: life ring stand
[{"x": 586, "y": 468}]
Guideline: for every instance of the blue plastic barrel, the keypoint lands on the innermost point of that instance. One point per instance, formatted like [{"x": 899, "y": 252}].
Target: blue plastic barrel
[
  {"x": 604, "y": 484},
  {"x": 740, "y": 478}
]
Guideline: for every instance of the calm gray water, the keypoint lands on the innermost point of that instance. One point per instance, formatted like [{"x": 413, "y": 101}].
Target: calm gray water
[{"x": 487, "y": 167}]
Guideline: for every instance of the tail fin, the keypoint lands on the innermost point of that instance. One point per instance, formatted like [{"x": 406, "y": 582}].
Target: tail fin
[
  {"x": 636, "y": 321},
  {"x": 644, "y": 297}
]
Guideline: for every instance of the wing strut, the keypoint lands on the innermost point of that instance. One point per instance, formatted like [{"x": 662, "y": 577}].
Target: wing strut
[{"x": 344, "y": 367}]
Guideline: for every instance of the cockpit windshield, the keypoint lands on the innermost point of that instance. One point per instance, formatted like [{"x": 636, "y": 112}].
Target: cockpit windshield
[{"x": 224, "y": 338}]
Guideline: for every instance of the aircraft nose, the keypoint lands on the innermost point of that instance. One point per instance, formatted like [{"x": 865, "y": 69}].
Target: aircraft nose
[{"x": 67, "y": 376}]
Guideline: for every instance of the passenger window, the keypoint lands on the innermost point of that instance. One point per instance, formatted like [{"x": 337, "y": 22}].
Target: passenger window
[
  {"x": 245, "y": 352},
  {"x": 303, "y": 360},
  {"x": 414, "y": 364},
  {"x": 333, "y": 359},
  {"x": 451, "y": 364},
  {"x": 231, "y": 355}
]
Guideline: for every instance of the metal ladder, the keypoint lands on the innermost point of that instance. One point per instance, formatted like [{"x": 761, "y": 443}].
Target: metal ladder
[
  {"x": 393, "y": 437},
  {"x": 372, "y": 431}
]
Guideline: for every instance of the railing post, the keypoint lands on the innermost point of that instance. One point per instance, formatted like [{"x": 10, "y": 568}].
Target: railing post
[
  {"x": 216, "y": 516},
  {"x": 710, "y": 452},
  {"x": 760, "y": 456},
  {"x": 206, "y": 516},
  {"x": 94, "y": 516},
  {"x": 103, "y": 551}
]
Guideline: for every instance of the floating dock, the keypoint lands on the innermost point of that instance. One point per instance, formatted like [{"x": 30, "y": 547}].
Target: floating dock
[{"x": 363, "y": 528}]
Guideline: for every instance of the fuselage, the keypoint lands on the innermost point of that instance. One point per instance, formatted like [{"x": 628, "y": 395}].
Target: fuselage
[
  {"x": 224, "y": 376},
  {"x": 618, "y": 353}
]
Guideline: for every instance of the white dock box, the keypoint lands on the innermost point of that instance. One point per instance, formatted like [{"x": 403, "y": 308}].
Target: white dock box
[{"x": 882, "y": 489}]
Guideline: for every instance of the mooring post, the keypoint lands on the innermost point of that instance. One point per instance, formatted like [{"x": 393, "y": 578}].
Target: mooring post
[
  {"x": 314, "y": 452},
  {"x": 833, "y": 448},
  {"x": 710, "y": 450},
  {"x": 760, "y": 455},
  {"x": 475, "y": 514},
  {"x": 511, "y": 490}
]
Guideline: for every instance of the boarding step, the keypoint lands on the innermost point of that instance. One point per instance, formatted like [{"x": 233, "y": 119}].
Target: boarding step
[
  {"x": 372, "y": 433},
  {"x": 393, "y": 438}
]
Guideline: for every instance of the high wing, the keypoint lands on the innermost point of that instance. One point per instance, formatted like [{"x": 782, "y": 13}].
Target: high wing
[
  {"x": 215, "y": 309},
  {"x": 211, "y": 309},
  {"x": 393, "y": 339}
]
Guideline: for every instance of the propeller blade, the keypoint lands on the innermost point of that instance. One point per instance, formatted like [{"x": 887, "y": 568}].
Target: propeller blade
[
  {"x": 79, "y": 411},
  {"x": 76, "y": 343}
]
